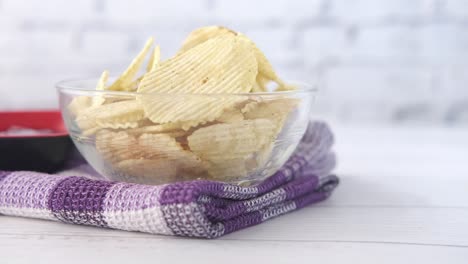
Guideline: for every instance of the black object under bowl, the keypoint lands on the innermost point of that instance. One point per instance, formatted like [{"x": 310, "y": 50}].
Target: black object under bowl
[{"x": 45, "y": 152}]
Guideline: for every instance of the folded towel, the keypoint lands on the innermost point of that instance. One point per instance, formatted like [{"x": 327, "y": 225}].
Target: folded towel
[{"x": 200, "y": 208}]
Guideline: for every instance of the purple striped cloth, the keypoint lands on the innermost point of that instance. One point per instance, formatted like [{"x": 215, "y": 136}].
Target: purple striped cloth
[{"x": 196, "y": 209}]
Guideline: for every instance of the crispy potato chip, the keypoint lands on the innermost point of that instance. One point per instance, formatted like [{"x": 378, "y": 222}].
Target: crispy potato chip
[
  {"x": 101, "y": 85},
  {"x": 125, "y": 81},
  {"x": 276, "y": 109},
  {"x": 162, "y": 146},
  {"x": 90, "y": 131},
  {"x": 231, "y": 140},
  {"x": 123, "y": 150},
  {"x": 286, "y": 87},
  {"x": 169, "y": 127},
  {"x": 117, "y": 146},
  {"x": 155, "y": 59},
  {"x": 225, "y": 64},
  {"x": 187, "y": 111},
  {"x": 177, "y": 134},
  {"x": 147, "y": 171},
  {"x": 114, "y": 113},
  {"x": 227, "y": 169},
  {"x": 159, "y": 145},
  {"x": 203, "y": 34},
  {"x": 79, "y": 104},
  {"x": 248, "y": 107},
  {"x": 265, "y": 69},
  {"x": 230, "y": 116},
  {"x": 123, "y": 125},
  {"x": 260, "y": 84},
  {"x": 134, "y": 85},
  {"x": 263, "y": 155}
]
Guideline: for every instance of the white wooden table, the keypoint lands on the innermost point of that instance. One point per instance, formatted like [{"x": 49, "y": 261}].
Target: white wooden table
[{"x": 403, "y": 199}]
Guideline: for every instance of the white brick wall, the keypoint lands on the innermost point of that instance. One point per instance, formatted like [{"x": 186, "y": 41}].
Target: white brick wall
[
  {"x": 378, "y": 10},
  {"x": 457, "y": 8},
  {"x": 376, "y": 60}
]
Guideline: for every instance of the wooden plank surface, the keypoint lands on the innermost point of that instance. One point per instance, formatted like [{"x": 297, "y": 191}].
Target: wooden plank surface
[
  {"x": 154, "y": 249},
  {"x": 403, "y": 198}
]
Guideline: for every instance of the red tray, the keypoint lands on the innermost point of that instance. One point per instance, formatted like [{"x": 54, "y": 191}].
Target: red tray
[{"x": 44, "y": 152}]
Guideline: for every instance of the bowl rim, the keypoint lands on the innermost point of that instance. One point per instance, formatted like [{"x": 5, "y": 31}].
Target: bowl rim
[{"x": 65, "y": 86}]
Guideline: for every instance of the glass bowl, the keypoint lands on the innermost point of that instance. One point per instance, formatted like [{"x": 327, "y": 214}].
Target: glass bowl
[{"x": 161, "y": 138}]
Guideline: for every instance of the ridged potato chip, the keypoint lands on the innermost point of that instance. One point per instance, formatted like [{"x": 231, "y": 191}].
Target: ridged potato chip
[
  {"x": 101, "y": 85},
  {"x": 203, "y": 34},
  {"x": 117, "y": 146},
  {"x": 260, "y": 84},
  {"x": 265, "y": 69},
  {"x": 276, "y": 109},
  {"x": 155, "y": 59},
  {"x": 250, "y": 105},
  {"x": 162, "y": 128},
  {"x": 90, "y": 131},
  {"x": 125, "y": 81},
  {"x": 79, "y": 104},
  {"x": 231, "y": 140},
  {"x": 159, "y": 145},
  {"x": 187, "y": 110},
  {"x": 286, "y": 87},
  {"x": 230, "y": 116},
  {"x": 224, "y": 64},
  {"x": 163, "y": 146},
  {"x": 117, "y": 125},
  {"x": 263, "y": 155},
  {"x": 147, "y": 171},
  {"x": 227, "y": 169},
  {"x": 121, "y": 112}
]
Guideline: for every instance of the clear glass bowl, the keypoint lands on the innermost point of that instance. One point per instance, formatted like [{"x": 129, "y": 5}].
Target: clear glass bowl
[{"x": 161, "y": 138}]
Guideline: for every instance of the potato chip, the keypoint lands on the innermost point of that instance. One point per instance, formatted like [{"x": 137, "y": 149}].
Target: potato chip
[
  {"x": 249, "y": 106},
  {"x": 129, "y": 111},
  {"x": 260, "y": 84},
  {"x": 79, "y": 104},
  {"x": 90, "y": 131},
  {"x": 203, "y": 34},
  {"x": 177, "y": 134},
  {"x": 162, "y": 146},
  {"x": 263, "y": 155},
  {"x": 147, "y": 171},
  {"x": 117, "y": 146},
  {"x": 286, "y": 87},
  {"x": 187, "y": 110},
  {"x": 231, "y": 140},
  {"x": 227, "y": 169},
  {"x": 230, "y": 116},
  {"x": 101, "y": 85},
  {"x": 159, "y": 145},
  {"x": 225, "y": 64},
  {"x": 125, "y": 81},
  {"x": 265, "y": 69},
  {"x": 169, "y": 127},
  {"x": 276, "y": 109},
  {"x": 155, "y": 59},
  {"x": 116, "y": 125}
]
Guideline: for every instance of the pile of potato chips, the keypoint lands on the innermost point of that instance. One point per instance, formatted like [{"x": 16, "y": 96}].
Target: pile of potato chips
[{"x": 199, "y": 114}]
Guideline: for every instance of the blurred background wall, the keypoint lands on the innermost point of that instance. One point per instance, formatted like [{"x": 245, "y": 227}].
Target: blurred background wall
[{"x": 377, "y": 61}]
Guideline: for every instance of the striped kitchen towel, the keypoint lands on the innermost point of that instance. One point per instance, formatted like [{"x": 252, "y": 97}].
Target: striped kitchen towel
[{"x": 195, "y": 208}]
